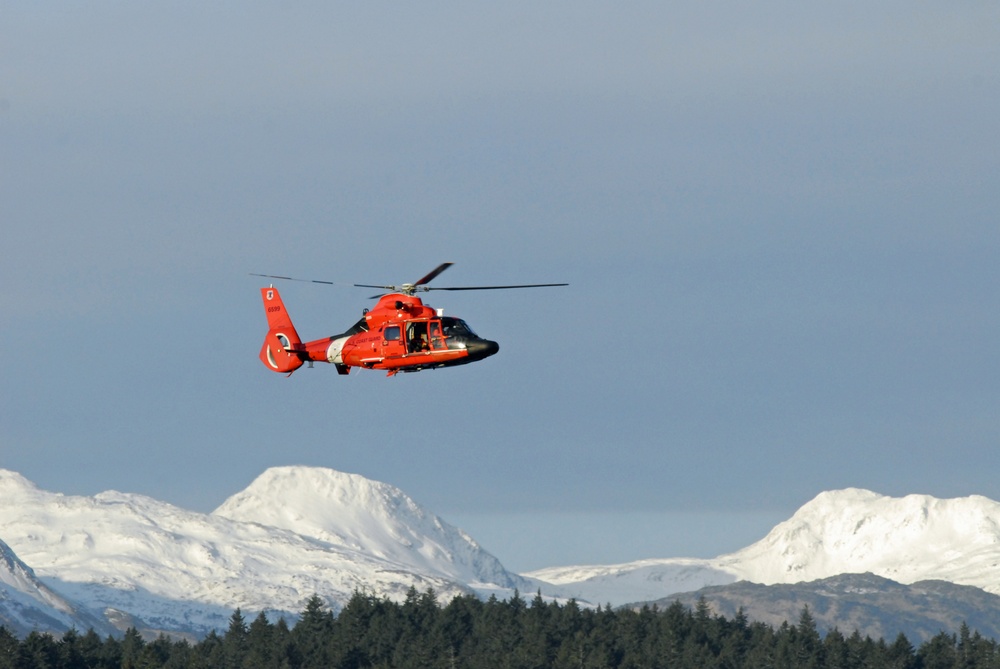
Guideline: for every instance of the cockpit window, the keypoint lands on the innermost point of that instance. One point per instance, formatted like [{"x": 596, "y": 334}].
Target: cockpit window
[
  {"x": 392, "y": 333},
  {"x": 456, "y": 327}
]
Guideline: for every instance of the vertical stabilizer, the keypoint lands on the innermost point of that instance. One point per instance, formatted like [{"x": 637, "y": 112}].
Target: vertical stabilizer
[{"x": 280, "y": 352}]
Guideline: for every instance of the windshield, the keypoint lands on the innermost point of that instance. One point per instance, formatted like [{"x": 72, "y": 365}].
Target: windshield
[{"x": 456, "y": 327}]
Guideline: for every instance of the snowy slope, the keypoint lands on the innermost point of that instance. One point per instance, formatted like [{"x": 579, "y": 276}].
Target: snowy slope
[
  {"x": 26, "y": 603},
  {"x": 374, "y": 518},
  {"x": 640, "y": 581},
  {"x": 907, "y": 539},
  {"x": 185, "y": 571}
]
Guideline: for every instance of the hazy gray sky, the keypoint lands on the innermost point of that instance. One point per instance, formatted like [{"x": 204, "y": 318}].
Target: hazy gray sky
[{"x": 781, "y": 226}]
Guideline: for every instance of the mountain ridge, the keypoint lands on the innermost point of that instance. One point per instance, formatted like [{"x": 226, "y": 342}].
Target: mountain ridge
[
  {"x": 185, "y": 571},
  {"x": 299, "y": 531},
  {"x": 873, "y": 606}
]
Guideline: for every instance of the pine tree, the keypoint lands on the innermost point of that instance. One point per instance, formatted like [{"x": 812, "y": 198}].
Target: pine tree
[
  {"x": 259, "y": 643},
  {"x": 835, "y": 650},
  {"x": 285, "y": 654},
  {"x": 156, "y": 653},
  {"x": 420, "y": 642},
  {"x": 109, "y": 654},
  {"x": 132, "y": 646},
  {"x": 86, "y": 650},
  {"x": 538, "y": 648},
  {"x": 354, "y": 631},
  {"x": 9, "y": 648},
  {"x": 808, "y": 645},
  {"x": 312, "y": 634},
  {"x": 38, "y": 650},
  {"x": 899, "y": 655},
  {"x": 234, "y": 642}
]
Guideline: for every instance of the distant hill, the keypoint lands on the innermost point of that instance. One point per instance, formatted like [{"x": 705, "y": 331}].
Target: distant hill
[{"x": 872, "y": 605}]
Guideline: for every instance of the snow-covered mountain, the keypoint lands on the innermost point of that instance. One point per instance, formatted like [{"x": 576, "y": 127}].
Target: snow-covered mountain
[
  {"x": 26, "y": 603},
  {"x": 147, "y": 563},
  {"x": 908, "y": 539},
  {"x": 367, "y": 516},
  {"x": 299, "y": 531}
]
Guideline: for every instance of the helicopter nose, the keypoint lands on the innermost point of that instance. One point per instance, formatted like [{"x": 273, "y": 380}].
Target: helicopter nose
[{"x": 482, "y": 348}]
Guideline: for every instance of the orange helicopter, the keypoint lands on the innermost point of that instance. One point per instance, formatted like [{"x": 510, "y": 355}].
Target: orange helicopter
[{"x": 400, "y": 334}]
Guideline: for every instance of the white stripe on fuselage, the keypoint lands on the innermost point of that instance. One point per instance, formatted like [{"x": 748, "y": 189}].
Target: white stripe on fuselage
[{"x": 335, "y": 349}]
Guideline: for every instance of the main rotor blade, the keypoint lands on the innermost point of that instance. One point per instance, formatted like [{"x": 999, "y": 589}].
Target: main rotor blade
[
  {"x": 437, "y": 270},
  {"x": 528, "y": 285},
  {"x": 289, "y": 278},
  {"x": 391, "y": 289},
  {"x": 409, "y": 288}
]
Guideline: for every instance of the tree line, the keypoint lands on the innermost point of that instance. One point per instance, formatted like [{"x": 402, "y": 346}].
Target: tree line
[{"x": 471, "y": 633}]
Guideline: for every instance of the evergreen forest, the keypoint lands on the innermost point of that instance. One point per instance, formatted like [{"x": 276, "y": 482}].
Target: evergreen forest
[{"x": 516, "y": 634}]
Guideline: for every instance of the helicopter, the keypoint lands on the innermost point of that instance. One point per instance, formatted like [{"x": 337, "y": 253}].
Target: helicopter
[{"x": 399, "y": 334}]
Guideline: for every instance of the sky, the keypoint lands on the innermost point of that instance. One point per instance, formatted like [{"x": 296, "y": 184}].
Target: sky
[{"x": 780, "y": 224}]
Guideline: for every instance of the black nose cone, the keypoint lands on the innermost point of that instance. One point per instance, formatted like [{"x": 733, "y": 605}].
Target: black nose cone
[{"x": 482, "y": 348}]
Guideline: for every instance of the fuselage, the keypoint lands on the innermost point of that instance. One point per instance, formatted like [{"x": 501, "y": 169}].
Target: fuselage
[{"x": 400, "y": 333}]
